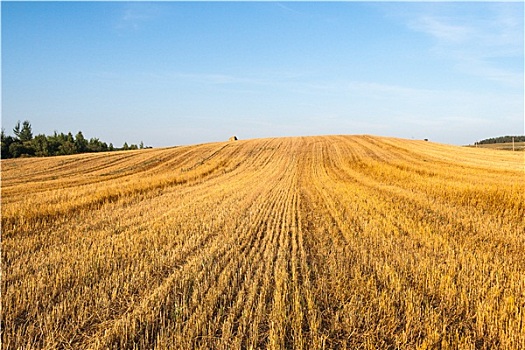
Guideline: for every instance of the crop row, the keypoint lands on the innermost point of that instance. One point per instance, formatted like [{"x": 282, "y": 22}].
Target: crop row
[{"x": 316, "y": 242}]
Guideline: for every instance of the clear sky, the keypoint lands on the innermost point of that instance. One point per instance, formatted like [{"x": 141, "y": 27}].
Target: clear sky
[{"x": 174, "y": 73}]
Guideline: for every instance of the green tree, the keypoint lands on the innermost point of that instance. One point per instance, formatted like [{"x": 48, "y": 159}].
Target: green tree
[
  {"x": 81, "y": 144},
  {"x": 502, "y": 139},
  {"x": 67, "y": 144},
  {"x": 70, "y": 138},
  {"x": 17, "y": 130},
  {"x": 23, "y": 133},
  {"x": 7, "y": 140},
  {"x": 95, "y": 145},
  {"x": 24, "y": 144},
  {"x": 27, "y": 133},
  {"x": 19, "y": 149},
  {"x": 67, "y": 148},
  {"x": 41, "y": 145},
  {"x": 53, "y": 144},
  {"x": 16, "y": 149}
]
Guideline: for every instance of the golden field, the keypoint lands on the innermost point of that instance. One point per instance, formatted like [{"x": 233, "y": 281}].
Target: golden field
[
  {"x": 509, "y": 146},
  {"x": 348, "y": 242}
]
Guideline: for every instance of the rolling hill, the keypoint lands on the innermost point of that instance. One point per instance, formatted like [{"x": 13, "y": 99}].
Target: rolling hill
[{"x": 297, "y": 243}]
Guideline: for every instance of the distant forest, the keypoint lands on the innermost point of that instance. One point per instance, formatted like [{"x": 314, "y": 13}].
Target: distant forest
[
  {"x": 501, "y": 139},
  {"x": 23, "y": 144}
]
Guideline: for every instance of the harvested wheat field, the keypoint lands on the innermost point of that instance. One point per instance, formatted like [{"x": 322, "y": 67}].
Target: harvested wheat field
[{"x": 286, "y": 243}]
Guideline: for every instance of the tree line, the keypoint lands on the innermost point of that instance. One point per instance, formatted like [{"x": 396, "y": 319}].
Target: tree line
[
  {"x": 501, "y": 139},
  {"x": 23, "y": 144}
]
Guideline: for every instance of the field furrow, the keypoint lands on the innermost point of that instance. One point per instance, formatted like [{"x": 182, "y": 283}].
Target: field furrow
[{"x": 283, "y": 243}]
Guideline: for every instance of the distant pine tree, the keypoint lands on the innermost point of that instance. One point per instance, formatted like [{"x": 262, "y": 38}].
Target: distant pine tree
[
  {"x": 23, "y": 144},
  {"x": 23, "y": 133},
  {"x": 501, "y": 139}
]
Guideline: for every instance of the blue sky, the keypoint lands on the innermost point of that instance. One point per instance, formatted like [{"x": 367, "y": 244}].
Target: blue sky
[{"x": 173, "y": 73}]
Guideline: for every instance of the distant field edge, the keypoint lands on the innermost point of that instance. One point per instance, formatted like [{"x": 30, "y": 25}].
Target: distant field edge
[{"x": 507, "y": 146}]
